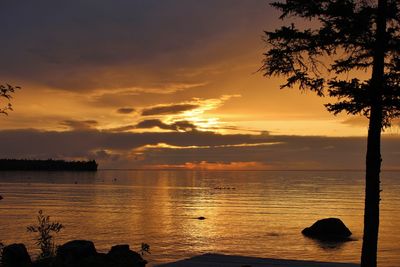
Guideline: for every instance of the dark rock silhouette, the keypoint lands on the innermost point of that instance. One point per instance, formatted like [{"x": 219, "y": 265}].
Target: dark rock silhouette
[
  {"x": 201, "y": 218},
  {"x": 46, "y": 262},
  {"x": 74, "y": 251},
  {"x": 122, "y": 256},
  {"x": 330, "y": 229},
  {"x": 1, "y": 197},
  {"x": 82, "y": 253},
  {"x": 16, "y": 255}
]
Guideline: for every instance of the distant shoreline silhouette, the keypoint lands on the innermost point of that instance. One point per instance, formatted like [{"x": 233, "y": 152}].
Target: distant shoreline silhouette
[{"x": 46, "y": 165}]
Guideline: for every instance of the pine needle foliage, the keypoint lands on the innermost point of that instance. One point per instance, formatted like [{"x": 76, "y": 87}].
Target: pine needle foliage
[{"x": 340, "y": 45}]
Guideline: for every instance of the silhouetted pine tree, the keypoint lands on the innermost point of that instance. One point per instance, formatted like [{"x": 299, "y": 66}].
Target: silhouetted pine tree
[{"x": 345, "y": 38}]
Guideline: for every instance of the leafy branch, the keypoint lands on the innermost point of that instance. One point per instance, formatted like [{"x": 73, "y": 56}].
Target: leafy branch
[
  {"x": 45, "y": 229},
  {"x": 6, "y": 92}
]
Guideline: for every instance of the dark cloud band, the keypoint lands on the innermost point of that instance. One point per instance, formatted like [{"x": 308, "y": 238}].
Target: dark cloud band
[
  {"x": 169, "y": 109},
  {"x": 125, "y": 110},
  {"x": 283, "y": 152}
]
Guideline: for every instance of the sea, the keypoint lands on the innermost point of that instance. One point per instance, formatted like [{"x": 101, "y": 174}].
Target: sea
[{"x": 251, "y": 213}]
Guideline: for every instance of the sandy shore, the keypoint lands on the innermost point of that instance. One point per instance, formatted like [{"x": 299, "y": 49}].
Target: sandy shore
[{"x": 218, "y": 260}]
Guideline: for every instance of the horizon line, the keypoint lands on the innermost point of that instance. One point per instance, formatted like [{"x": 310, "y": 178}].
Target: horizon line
[{"x": 243, "y": 170}]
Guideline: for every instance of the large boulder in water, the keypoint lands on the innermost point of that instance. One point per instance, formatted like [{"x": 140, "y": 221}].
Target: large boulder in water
[
  {"x": 330, "y": 229},
  {"x": 15, "y": 255}
]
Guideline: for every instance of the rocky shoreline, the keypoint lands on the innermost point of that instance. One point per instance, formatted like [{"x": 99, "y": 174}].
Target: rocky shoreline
[{"x": 76, "y": 253}]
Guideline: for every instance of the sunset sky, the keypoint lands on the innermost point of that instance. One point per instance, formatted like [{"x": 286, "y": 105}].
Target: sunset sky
[{"x": 163, "y": 84}]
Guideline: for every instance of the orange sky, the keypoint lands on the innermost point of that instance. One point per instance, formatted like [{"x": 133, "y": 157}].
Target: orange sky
[{"x": 134, "y": 67}]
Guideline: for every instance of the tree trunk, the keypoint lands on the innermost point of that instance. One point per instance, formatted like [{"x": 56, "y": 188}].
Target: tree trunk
[{"x": 373, "y": 159}]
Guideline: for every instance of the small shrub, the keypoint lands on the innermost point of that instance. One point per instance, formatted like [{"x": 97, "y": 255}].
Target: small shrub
[{"x": 45, "y": 230}]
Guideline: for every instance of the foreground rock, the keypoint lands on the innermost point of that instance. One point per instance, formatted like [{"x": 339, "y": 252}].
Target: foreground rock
[
  {"x": 73, "y": 253},
  {"x": 82, "y": 253},
  {"x": 330, "y": 229},
  {"x": 77, "y": 253},
  {"x": 122, "y": 256},
  {"x": 16, "y": 255}
]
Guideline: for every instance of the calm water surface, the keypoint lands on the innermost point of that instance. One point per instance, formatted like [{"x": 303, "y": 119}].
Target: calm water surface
[{"x": 261, "y": 216}]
